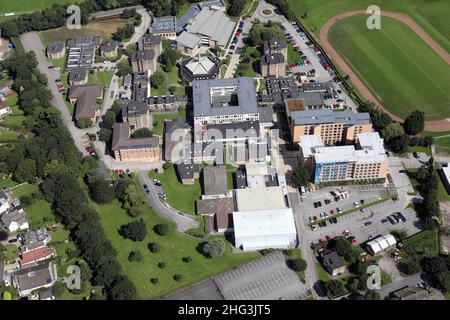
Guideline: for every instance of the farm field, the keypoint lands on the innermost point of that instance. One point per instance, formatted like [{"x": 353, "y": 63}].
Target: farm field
[
  {"x": 432, "y": 16},
  {"x": 174, "y": 246},
  {"x": 103, "y": 28},
  {"x": 417, "y": 77}
]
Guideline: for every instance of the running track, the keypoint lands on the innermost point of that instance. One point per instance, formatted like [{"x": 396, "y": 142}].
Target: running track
[{"x": 437, "y": 125}]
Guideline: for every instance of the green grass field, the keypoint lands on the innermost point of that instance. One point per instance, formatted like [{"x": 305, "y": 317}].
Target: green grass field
[
  {"x": 416, "y": 79},
  {"x": 8, "y": 136},
  {"x": 174, "y": 247},
  {"x": 179, "y": 196},
  {"x": 432, "y": 16},
  {"x": 30, "y": 5},
  {"x": 158, "y": 120}
]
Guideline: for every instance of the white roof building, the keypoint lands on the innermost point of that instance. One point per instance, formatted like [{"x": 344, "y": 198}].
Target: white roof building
[
  {"x": 381, "y": 244},
  {"x": 267, "y": 198},
  {"x": 188, "y": 40},
  {"x": 262, "y": 229},
  {"x": 200, "y": 65},
  {"x": 212, "y": 25}
]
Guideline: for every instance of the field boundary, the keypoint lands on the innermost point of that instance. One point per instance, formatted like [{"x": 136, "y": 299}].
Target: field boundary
[{"x": 436, "y": 125}]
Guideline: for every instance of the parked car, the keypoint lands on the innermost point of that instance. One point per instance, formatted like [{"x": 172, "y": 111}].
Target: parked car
[
  {"x": 12, "y": 240},
  {"x": 311, "y": 219},
  {"x": 319, "y": 203},
  {"x": 339, "y": 210},
  {"x": 332, "y": 211},
  {"x": 334, "y": 219},
  {"x": 328, "y": 237},
  {"x": 416, "y": 155},
  {"x": 145, "y": 186},
  {"x": 327, "y": 201},
  {"x": 394, "y": 217},
  {"x": 390, "y": 220},
  {"x": 354, "y": 241},
  {"x": 315, "y": 205},
  {"x": 368, "y": 223},
  {"x": 324, "y": 223},
  {"x": 384, "y": 220},
  {"x": 370, "y": 237},
  {"x": 351, "y": 238},
  {"x": 361, "y": 201},
  {"x": 356, "y": 204},
  {"x": 315, "y": 218},
  {"x": 400, "y": 216}
]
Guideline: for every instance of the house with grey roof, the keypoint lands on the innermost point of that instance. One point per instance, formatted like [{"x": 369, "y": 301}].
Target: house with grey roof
[
  {"x": 108, "y": 49},
  {"x": 332, "y": 262},
  {"x": 26, "y": 280},
  {"x": 151, "y": 42},
  {"x": 165, "y": 27},
  {"x": 14, "y": 220},
  {"x": 78, "y": 76},
  {"x": 143, "y": 60},
  {"x": 187, "y": 172},
  {"x": 85, "y": 99},
  {"x": 214, "y": 181},
  {"x": 56, "y": 50},
  {"x": 136, "y": 114}
]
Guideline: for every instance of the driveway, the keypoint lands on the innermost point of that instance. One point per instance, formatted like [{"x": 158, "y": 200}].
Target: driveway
[
  {"x": 387, "y": 264},
  {"x": 142, "y": 28},
  {"x": 183, "y": 221}
]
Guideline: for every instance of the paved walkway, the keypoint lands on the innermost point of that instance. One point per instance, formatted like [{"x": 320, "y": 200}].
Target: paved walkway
[{"x": 436, "y": 125}]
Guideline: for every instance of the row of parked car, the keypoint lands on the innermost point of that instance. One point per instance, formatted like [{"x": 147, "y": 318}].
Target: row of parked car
[{"x": 394, "y": 218}]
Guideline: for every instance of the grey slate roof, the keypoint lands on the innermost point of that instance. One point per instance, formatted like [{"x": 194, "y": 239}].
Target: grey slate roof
[
  {"x": 164, "y": 24},
  {"x": 34, "y": 277},
  {"x": 332, "y": 261},
  {"x": 77, "y": 74},
  {"x": 55, "y": 47},
  {"x": 122, "y": 140},
  {"x": 132, "y": 108},
  {"x": 311, "y": 98},
  {"x": 272, "y": 58},
  {"x": 319, "y": 116},
  {"x": 13, "y": 216},
  {"x": 109, "y": 46},
  {"x": 316, "y": 86},
  {"x": 143, "y": 55},
  {"x": 187, "y": 39},
  {"x": 86, "y": 95},
  {"x": 265, "y": 114},
  {"x": 245, "y": 91},
  {"x": 187, "y": 170},
  {"x": 215, "y": 180},
  {"x": 274, "y": 44},
  {"x": 85, "y": 40},
  {"x": 187, "y": 17}
]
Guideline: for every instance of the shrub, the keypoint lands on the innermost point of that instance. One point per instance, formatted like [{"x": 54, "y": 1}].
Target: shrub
[
  {"x": 214, "y": 248},
  {"x": 265, "y": 252},
  {"x": 6, "y": 295},
  {"x": 161, "y": 229},
  {"x": 154, "y": 247},
  {"x": 298, "y": 264},
  {"x": 161, "y": 265},
  {"x": 187, "y": 259},
  {"x": 135, "y": 231},
  {"x": 26, "y": 200},
  {"x": 154, "y": 280},
  {"x": 177, "y": 277},
  {"x": 134, "y": 256},
  {"x": 3, "y": 235}
]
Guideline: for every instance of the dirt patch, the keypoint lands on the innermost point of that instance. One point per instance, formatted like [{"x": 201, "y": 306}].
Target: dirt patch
[{"x": 438, "y": 125}]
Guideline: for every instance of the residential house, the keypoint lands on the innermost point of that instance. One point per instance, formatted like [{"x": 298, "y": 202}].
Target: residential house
[
  {"x": 151, "y": 42},
  {"x": 136, "y": 114},
  {"x": 34, "y": 236},
  {"x": 187, "y": 172},
  {"x": 14, "y": 220},
  {"x": 56, "y": 50},
  {"x": 4, "y": 202},
  {"x": 78, "y": 76},
  {"x": 218, "y": 212},
  {"x": 332, "y": 262},
  {"x": 85, "y": 98},
  {"x": 215, "y": 181},
  {"x": 144, "y": 60},
  {"x": 29, "y": 279},
  {"x": 34, "y": 256},
  {"x": 108, "y": 49}
]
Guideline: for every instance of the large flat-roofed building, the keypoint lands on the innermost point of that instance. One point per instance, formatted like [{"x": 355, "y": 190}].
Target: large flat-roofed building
[
  {"x": 213, "y": 26},
  {"x": 224, "y": 101},
  {"x": 200, "y": 68},
  {"x": 366, "y": 161},
  {"x": 263, "y": 229},
  {"x": 333, "y": 127},
  {"x": 265, "y": 198},
  {"x": 189, "y": 43},
  {"x": 165, "y": 27},
  {"x": 133, "y": 149}
]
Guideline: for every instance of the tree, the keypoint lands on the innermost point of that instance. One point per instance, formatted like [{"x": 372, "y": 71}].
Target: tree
[
  {"x": 298, "y": 264},
  {"x": 101, "y": 192},
  {"x": 399, "y": 235},
  {"x": 124, "y": 68},
  {"x": 6, "y": 295},
  {"x": 370, "y": 295},
  {"x": 343, "y": 247},
  {"x": 300, "y": 176},
  {"x": 124, "y": 32},
  {"x": 135, "y": 256},
  {"x": 122, "y": 289},
  {"x": 105, "y": 134},
  {"x": 84, "y": 123},
  {"x": 142, "y": 133},
  {"x": 154, "y": 280},
  {"x": 334, "y": 288},
  {"x": 157, "y": 79},
  {"x": 154, "y": 247},
  {"x": 392, "y": 130},
  {"x": 161, "y": 265},
  {"x": 26, "y": 171},
  {"x": 399, "y": 144},
  {"x": 435, "y": 265},
  {"x": 135, "y": 231},
  {"x": 58, "y": 289},
  {"x": 444, "y": 280},
  {"x": 161, "y": 229},
  {"x": 187, "y": 259},
  {"x": 214, "y": 248},
  {"x": 235, "y": 7},
  {"x": 116, "y": 108},
  {"x": 414, "y": 123},
  {"x": 177, "y": 277},
  {"x": 109, "y": 119}
]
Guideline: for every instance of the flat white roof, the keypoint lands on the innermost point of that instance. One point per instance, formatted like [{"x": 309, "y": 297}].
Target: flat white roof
[
  {"x": 257, "y": 168},
  {"x": 263, "y": 223},
  {"x": 260, "y": 199},
  {"x": 308, "y": 143},
  {"x": 446, "y": 171}
]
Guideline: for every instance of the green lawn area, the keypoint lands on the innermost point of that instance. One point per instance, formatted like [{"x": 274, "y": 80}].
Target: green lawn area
[
  {"x": 252, "y": 8},
  {"x": 172, "y": 80},
  {"x": 293, "y": 57},
  {"x": 11, "y": 252},
  {"x": 92, "y": 79},
  {"x": 6, "y": 182},
  {"x": 159, "y": 120},
  {"x": 104, "y": 77},
  {"x": 15, "y": 119},
  {"x": 102, "y": 28},
  {"x": 39, "y": 213},
  {"x": 321, "y": 273},
  {"x": 417, "y": 77},
  {"x": 12, "y": 100},
  {"x": 421, "y": 149},
  {"x": 181, "y": 197},
  {"x": 174, "y": 247},
  {"x": 423, "y": 244},
  {"x": 8, "y": 136},
  {"x": 59, "y": 62},
  {"x": 31, "y": 5},
  {"x": 441, "y": 141},
  {"x": 182, "y": 9},
  {"x": 432, "y": 16},
  {"x": 250, "y": 68}
]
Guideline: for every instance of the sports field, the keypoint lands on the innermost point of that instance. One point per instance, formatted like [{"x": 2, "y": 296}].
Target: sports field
[
  {"x": 17, "y": 6},
  {"x": 396, "y": 65},
  {"x": 432, "y": 16}
]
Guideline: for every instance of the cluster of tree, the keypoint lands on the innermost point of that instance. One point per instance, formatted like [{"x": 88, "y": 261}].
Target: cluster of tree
[
  {"x": 130, "y": 195},
  {"x": 214, "y": 248},
  {"x": 135, "y": 231},
  {"x": 124, "y": 68},
  {"x": 235, "y": 7},
  {"x": 428, "y": 181},
  {"x": 157, "y": 79},
  {"x": 100, "y": 188},
  {"x": 439, "y": 267},
  {"x": 169, "y": 57},
  {"x": 129, "y": 13},
  {"x": 263, "y": 32},
  {"x": 300, "y": 176},
  {"x": 56, "y": 16},
  {"x": 124, "y": 32},
  {"x": 142, "y": 133},
  {"x": 109, "y": 119},
  {"x": 284, "y": 8},
  {"x": 49, "y": 153},
  {"x": 161, "y": 229},
  {"x": 399, "y": 136},
  {"x": 162, "y": 8}
]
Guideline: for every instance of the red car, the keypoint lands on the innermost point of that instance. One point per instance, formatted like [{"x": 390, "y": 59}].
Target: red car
[
  {"x": 354, "y": 241},
  {"x": 321, "y": 240},
  {"x": 238, "y": 33},
  {"x": 315, "y": 218},
  {"x": 331, "y": 211},
  {"x": 328, "y": 238}
]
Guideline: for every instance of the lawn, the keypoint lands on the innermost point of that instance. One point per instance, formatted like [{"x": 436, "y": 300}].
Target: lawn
[
  {"x": 181, "y": 197},
  {"x": 8, "y": 136},
  {"x": 102, "y": 28},
  {"x": 250, "y": 68},
  {"x": 293, "y": 56},
  {"x": 61, "y": 62},
  {"x": 30, "y": 5},
  {"x": 12, "y": 100},
  {"x": 321, "y": 273},
  {"x": 15, "y": 119},
  {"x": 423, "y": 244},
  {"x": 158, "y": 120},
  {"x": 6, "y": 182},
  {"x": 441, "y": 141},
  {"x": 38, "y": 213},
  {"x": 104, "y": 77},
  {"x": 174, "y": 247},
  {"x": 421, "y": 149},
  {"x": 182, "y": 9},
  {"x": 432, "y": 16},
  {"x": 172, "y": 80},
  {"x": 417, "y": 77}
]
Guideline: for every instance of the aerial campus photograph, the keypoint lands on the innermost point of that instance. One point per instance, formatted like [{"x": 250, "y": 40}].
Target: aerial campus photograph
[{"x": 221, "y": 150}]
